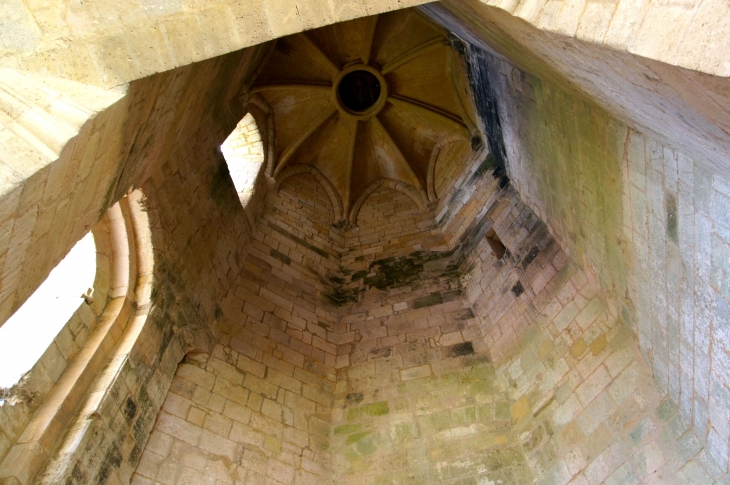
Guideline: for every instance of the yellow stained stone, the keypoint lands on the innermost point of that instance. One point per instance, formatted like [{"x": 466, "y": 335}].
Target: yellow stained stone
[
  {"x": 578, "y": 347},
  {"x": 598, "y": 344},
  {"x": 520, "y": 409}
]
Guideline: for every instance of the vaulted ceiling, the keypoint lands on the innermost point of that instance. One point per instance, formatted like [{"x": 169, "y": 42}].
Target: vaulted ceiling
[{"x": 368, "y": 102}]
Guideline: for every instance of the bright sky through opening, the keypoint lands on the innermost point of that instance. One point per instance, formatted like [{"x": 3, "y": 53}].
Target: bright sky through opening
[{"x": 28, "y": 333}]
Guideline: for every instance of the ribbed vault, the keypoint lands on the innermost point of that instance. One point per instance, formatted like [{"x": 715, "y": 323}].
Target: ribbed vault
[{"x": 365, "y": 103}]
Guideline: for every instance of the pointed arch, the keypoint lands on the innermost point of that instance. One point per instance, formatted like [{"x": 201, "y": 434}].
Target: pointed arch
[
  {"x": 329, "y": 188},
  {"x": 444, "y": 141},
  {"x": 403, "y": 187}
]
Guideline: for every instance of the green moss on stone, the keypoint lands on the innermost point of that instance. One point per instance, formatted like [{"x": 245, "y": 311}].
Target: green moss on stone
[
  {"x": 666, "y": 410},
  {"x": 355, "y": 437},
  {"x": 354, "y": 414},
  {"x": 501, "y": 411},
  {"x": 348, "y": 428},
  {"x": 376, "y": 409}
]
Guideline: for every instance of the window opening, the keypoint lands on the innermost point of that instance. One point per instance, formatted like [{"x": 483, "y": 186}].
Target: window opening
[
  {"x": 495, "y": 243},
  {"x": 244, "y": 154},
  {"x": 28, "y": 333}
]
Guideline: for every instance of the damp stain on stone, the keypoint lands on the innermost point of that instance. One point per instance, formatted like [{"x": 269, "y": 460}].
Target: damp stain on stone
[
  {"x": 78, "y": 475},
  {"x": 337, "y": 280},
  {"x": 221, "y": 185},
  {"x": 354, "y": 398},
  {"x": 427, "y": 301},
  {"x": 112, "y": 461},
  {"x": 488, "y": 165},
  {"x": 300, "y": 241},
  {"x": 518, "y": 289},
  {"x": 281, "y": 257},
  {"x": 451, "y": 295},
  {"x": 218, "y": 312},
  {"x": 530, "y": 257},
  {"x": 381, "y": 352},
  {"x": 130, "y": 409},
  {"x": 358, "y": 275},
  {"x": 464, "y": 348},
  {"x": 464, "y": 314},
  {"x": 414, "y": 270},
  {"x": 339, "y": 296}
]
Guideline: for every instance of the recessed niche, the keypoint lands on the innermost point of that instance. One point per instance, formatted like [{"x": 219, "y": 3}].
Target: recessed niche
[
  {"x": 359, "y": 90},
  {"x": 495, "y": 243}
]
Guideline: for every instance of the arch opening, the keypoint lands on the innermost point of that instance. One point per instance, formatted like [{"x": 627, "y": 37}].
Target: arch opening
[
  {"x": 359, "y": 90},
  {"x": 28, "y": 333},
  {"x": 243, "y": 151}
]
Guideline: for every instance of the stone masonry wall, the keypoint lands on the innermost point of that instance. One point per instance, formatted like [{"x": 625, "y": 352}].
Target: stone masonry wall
[
  {"x": 258, "y": 408},
  {"x": 416, "y": 404},
  {"x": 325, "y": 321},
  {"x": 644, "y": 220},
  {"x": 226, "y": 419},
  {"x": 182, "y": 308},
  {"x": 582, "y": 400},
  {"x": 401, "y": 385},
  {"x": 646, "y": 223},
  {"x": 193, "y": 209}
]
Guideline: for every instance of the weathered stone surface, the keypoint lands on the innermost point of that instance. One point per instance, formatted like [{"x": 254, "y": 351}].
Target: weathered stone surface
[{"x": 553, "y": 308}]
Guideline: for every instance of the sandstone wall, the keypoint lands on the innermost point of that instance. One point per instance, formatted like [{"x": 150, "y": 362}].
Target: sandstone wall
[
  {"x": 59, "y": 196},
  {"x": 258, "y": 407},
  {"x": 367, "y": 352},
  {"x": 644, "y": 221},
  {"x": 418, "y": 404}
]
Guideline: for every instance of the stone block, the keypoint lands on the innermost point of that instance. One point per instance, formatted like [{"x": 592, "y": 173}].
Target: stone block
[
  {"x": 415, "y": 373},
  {"x": 179, "y": 428},
  {"x": 196, "y": 375},
  {"x": 566, "y": 316},
  {"x": 258, "y": 386},
  {"x": 593, "y": 385}
]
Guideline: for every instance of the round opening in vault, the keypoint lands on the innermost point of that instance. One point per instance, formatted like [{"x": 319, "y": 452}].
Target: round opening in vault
[{"x": 359, "y": 90}]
